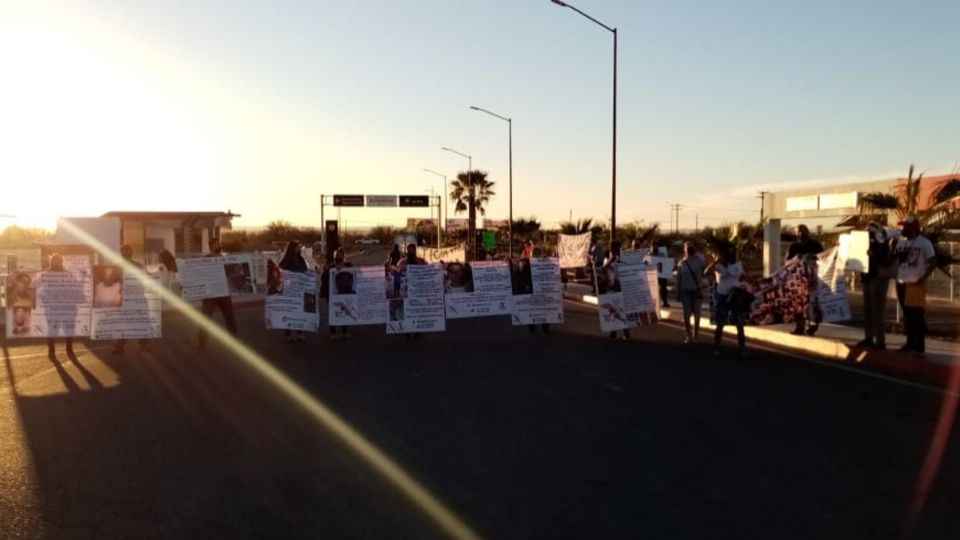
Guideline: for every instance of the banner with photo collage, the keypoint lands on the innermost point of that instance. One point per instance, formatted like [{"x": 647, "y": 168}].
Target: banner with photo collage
[
  {"x": 477, "y": 289},
  {"x": 291, "y": 302},
  {"x": 417, "y": 306},
  {"x": 537, "y": 292},
  {"x": 628, "y": 296},
  {"x": 215, "y": 277},
  {"x": 357, "y": 295}
]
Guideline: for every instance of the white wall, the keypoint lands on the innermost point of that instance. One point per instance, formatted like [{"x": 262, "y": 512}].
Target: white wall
[{"x": 164, "y": 233}]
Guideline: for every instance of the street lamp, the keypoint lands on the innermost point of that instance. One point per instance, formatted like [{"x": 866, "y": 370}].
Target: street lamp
[
  {"x": 510, "y": 144},
  {"x": 446, "y": 208},
  {"x": 471, "y": 226},
  {"x": 613, "y": 207}
]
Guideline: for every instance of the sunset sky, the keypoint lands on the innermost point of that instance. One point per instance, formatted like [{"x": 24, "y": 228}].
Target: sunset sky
[{"x": 259, "y": 107}]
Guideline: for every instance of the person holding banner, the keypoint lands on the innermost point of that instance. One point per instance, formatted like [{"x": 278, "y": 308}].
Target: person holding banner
[
  {"x": 918, "y": 259},
  {"x": 56, "y": 265},
  {"x": 223, "y": 303},
  {"x": 339, "y": 262},
  {"x": 293, "y": 261},
  {"x": 728, "y": 274},
  {"x": 806, "y": 248},
  {"x": 126, "y": 252},
  {"x": 658, "y": 249},
  {"x": 612, "y": 280},
  {"x": 690, "y": 289},
  {"x": 410, "y": 259}
]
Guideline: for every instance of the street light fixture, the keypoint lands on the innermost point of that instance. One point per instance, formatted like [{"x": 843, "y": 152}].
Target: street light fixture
[
  {"x": 613, "y": 207},
  {"x": 509, "y": 122},
  {"x": 471, "y": 226},
  {"x": 446, "y": 208}
]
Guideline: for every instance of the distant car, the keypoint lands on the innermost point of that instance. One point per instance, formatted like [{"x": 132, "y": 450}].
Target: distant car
[{"x": 367, "y": 241}]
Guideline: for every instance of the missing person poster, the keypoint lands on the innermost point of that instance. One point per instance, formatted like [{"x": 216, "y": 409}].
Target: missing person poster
[
  {"x": 291, "y": 302},
  {"x": 537, "y": 292},
  {"x": 419, "y": 305},
  {"x": 831, "y": 297},
  {"x": 628, "y": 297},
  {"x": 214, "y": 277},
  {"x": 664, "y": 266},
  {"x": 357, "y": 295},
  {"x": 477, "y": 289},
  {"x": 21, "y": 303},
  {"x": 123, "y": 305},
  {"x": 63, "y": 305}
]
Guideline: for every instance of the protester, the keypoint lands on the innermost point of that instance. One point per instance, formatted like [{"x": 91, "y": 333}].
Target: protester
[
  {"x": 610, "y": 272},
  {"x": 293, "y": 261},
  {"x": 918, "y": 260},
  {"x": 657, "y": 249},
  {"x": 596, "y": 254},
  {"x": 728, "y": 274},
  {"x": 690, "y": 289},
  {"x": 881, "y": 266},
  {"x": 339, "y": 262},
  {"x": 806, "y": 247},
  {"x": 523, "y": 284},
  {"x": 527, "y": 250},
  {"x": 223, "y": 303},
  {"x": 126, "y": 252},
  {"x": 56, "y": 265},
  {"x": 410, "y": 259},
  {"x": 395, "y": 256}
]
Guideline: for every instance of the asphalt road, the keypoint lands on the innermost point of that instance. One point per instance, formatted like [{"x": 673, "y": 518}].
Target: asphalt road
[{"x": 567, "y": 435}]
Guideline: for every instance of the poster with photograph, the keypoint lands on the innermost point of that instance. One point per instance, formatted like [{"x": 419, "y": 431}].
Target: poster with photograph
[
  {"x": 291, "y": 302},
  {"x": 357, "y": 295},
  {"x": 537, "y": 292},
  {"x": 477, "y": 289},
  {"x": 628, "y": 296},
  {"x": 21, "y": 303},
  {"x": 419, "y": 305},
  {"x": 664, "y": 266},
  {"x": 214, "y": 277},
  {"x": 64, "y": 301},
  {"x": 138, "y": 315},
  {"x": 573, "y": 250}
]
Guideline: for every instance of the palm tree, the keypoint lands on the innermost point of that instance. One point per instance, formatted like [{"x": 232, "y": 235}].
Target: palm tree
[
  {"x": 525, "y": 228},
  {"x": 940, "y": 212},
  {"x": 581, "y": 226},
  {"x": 471, "y": 191}
]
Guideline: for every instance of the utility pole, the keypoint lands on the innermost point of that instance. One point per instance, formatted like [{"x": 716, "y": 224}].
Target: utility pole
[
  {"x": 762, "y": 197},
  {"x": 675, "y": 218},
  {"x": 696, "y": 221}
]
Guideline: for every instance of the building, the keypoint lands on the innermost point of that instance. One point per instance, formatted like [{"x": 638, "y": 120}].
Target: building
[{"x": 182, "y": 233}]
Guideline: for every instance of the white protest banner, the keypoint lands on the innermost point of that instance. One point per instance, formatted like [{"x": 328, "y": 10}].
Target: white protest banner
[
  {"x": 447, "y": 254},
  {"x": 419, "y": 307},
  {"x": 214, "y": 277},
  {"x": 664, "y": 266},
  {"x": 573, "y": 250},
  {"x": 138, "y": 315},
  {"x": 634, "y": 256},
  {"x": 852, "y": 251},
  {"x": 357, "y": 296},
  {"x": 537, "y": 292},
  {"x": 831, "y": 296},
  {"x": 477, "y": 289},
  {"x": 64, "y": 302},
  {"x": 293, "y": 305}
]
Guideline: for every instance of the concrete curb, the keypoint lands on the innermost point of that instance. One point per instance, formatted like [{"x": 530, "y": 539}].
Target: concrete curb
[{"x": 887, "y": 362}]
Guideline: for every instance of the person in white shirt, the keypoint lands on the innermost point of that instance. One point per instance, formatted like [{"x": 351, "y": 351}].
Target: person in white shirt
[
  {"x": 728, "y": 274},
  {"x": 918, "y": 260}
]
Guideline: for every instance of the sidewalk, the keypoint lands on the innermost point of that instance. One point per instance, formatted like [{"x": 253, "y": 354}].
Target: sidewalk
[{"x": 832, "y": 342}]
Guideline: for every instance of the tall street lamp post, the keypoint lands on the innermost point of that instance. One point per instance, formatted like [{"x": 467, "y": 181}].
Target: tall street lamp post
[
  {"x": 510, "y": 153},
  {"x": 613, "y": 207}
]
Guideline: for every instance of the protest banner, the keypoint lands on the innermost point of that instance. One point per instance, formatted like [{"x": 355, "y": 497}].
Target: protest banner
[
  {"x": 419, "y": 306},
  {"x": 634, "y": 256},
  {"x": 291, "y": 302},
  {"x": 573, "y": 250},
  {"x": 477, "y": 289},
  {"x": 780, "y": 297},
  {"x": 447, "y": 254},
  {"x": 21, "y": 300},
  {"x": 357, "y": 296},
  {"x": 628, "y": 298},
  {"x": 831, "y": 295},
  {"x": 537, "y": 292},
  {"x": 64, "y": 301},
  {"x": 214, "y": 277},
  {"x": 137, "y": 316},
  {"x": 664, "y": 266}
]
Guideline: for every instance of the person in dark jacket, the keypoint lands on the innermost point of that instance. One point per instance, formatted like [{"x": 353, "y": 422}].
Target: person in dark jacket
[
  {"x": 293, "y": 261},
  {"x": 339, "y": 261},
  {"x": 876, "y": 281},
  {"x": 805, "y": 247},
  {"x": 53, "y": 325}
]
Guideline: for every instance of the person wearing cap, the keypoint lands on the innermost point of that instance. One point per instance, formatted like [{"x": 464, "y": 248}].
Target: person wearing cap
[
  {"x": 876, "y": 280},
  {"x": 917, "y": 261},
  {"x": 805, "y": 247}
]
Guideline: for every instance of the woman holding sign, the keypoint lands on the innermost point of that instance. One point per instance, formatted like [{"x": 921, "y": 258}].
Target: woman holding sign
[
  {"x": 293, "y": 261},
  {"x": 339, "y": 262},
  {"x": 729, "y": 275}
]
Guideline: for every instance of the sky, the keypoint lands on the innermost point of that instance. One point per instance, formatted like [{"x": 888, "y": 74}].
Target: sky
[{"x": 261, "y": 107}]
